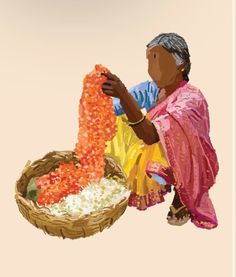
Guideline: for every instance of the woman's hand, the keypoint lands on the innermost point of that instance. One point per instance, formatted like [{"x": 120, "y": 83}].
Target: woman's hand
[{"x": 113, "y": 86}]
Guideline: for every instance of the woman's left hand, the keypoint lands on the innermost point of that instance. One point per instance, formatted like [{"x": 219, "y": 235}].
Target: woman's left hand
[{"x": 113, "y": 86}]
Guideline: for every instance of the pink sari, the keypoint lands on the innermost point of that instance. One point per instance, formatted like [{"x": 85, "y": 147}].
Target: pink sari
[{"x": 182, "y": 122}]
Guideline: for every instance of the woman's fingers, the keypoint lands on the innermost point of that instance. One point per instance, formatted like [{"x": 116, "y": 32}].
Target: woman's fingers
[
  {"x": 108, "y": 92},
  {"x": 111, "y": 76},
  {"x": 104, "y": 86},
  {"x": 112, "y": 85},
  {"x": 111, "y": 82},
  {"x": 107, "y": 88}
]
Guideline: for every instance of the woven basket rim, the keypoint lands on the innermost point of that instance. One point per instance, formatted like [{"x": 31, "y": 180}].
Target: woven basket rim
[{"x": 65, "y": 217}]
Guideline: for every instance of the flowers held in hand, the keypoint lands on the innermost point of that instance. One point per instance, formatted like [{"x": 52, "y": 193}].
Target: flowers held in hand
[{"x": 97, "y": 124}]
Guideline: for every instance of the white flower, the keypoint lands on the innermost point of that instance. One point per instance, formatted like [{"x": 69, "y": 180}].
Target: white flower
[{"x": 93, "y": 197}]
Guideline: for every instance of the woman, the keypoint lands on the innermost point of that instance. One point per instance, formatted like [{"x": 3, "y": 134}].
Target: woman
[{"x": 172, "y": 144}]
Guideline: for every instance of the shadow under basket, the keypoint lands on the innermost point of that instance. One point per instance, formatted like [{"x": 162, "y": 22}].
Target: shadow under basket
[{"x": 66, "y": 226}]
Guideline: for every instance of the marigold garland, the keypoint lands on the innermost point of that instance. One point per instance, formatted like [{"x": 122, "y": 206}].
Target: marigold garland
[{"x": 97, "y": 124}]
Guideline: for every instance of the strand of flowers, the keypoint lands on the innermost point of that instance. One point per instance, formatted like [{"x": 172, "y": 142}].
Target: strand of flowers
[{"x": 97, "y": 124}]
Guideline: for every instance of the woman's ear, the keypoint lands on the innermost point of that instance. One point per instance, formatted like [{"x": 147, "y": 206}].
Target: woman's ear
[{"x": 181, "y": 68}]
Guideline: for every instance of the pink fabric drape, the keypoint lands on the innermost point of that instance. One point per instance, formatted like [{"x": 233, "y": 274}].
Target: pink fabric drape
[{"x": 182, "y": 122}]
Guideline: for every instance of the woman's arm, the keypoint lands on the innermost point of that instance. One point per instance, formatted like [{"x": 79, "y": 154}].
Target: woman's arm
[
  {"x": 144, "y": 130},
  {"x": 145, "y": 94}
]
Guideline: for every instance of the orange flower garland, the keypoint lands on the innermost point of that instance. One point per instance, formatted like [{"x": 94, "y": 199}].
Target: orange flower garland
[{"x": 97, "y": 124}]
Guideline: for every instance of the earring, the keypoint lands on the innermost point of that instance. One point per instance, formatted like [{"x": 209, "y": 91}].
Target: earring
[{"x": 182, "y": 69}]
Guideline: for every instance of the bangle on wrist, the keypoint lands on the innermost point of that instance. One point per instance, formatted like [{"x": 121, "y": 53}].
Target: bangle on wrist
[{"x": 137, "y": 122}]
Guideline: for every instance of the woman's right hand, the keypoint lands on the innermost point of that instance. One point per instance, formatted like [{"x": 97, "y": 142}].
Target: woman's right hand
[{"x": 113, "y": 86}]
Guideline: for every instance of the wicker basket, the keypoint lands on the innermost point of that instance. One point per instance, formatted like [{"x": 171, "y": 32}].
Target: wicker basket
[{"x": 67, "y": 226}]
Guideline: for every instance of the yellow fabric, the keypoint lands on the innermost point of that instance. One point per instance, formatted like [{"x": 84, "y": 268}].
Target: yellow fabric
[{"x": 132, "y": 154}]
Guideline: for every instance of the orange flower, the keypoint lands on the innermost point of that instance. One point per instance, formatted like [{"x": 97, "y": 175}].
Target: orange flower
[{"x": 97, "y": 124}]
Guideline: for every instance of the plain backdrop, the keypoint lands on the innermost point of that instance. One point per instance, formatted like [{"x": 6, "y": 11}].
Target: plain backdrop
[{"x": 46, "y": 48}]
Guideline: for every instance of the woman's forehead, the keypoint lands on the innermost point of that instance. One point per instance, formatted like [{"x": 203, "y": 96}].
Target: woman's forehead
[{"x": 155, "y": 49}]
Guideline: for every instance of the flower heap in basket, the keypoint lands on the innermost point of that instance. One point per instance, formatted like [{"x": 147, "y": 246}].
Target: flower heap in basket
[{"x": 80, "y": 188}]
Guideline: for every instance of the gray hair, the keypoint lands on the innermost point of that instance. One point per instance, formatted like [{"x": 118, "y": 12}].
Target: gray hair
[{"x": 177, "y": 46}]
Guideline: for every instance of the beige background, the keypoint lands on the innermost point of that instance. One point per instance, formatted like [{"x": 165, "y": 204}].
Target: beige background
[{"x": 46, "y": 49}]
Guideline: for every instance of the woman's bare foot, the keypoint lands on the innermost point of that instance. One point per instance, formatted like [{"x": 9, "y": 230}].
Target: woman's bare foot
[{"x": 178, "y": 214}]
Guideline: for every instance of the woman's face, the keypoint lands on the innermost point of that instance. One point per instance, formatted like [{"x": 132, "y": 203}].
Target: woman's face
[{"x": 162, "y": 66}]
